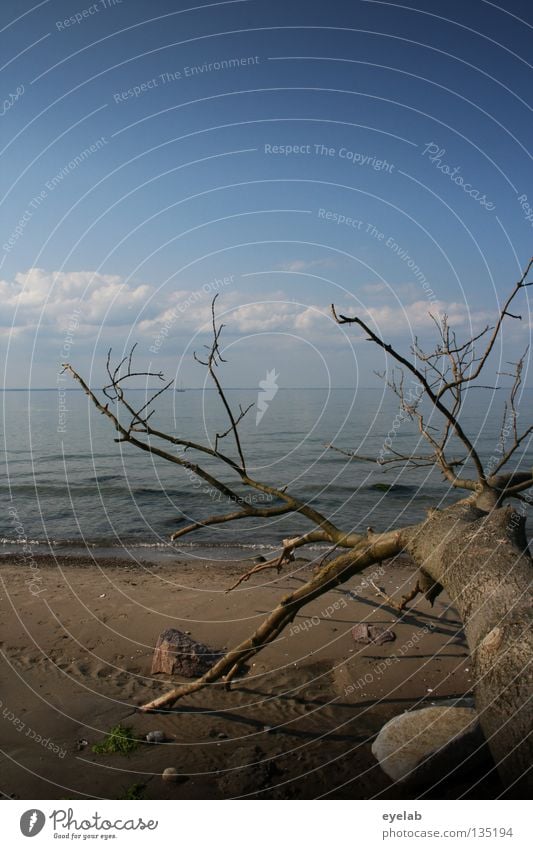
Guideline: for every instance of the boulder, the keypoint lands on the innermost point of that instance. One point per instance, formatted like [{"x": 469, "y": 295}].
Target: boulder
[
  {"x": 178, "y": 654},
  {"x": 426, "y": 745}
]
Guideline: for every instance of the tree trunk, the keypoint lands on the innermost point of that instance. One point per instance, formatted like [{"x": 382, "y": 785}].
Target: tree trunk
[{"x": 482, "y": 560}]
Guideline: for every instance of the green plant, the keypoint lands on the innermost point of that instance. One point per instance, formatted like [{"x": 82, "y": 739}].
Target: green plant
[
  {"x": 135, "y": 791},
  {"x": 120, "y": 739}
]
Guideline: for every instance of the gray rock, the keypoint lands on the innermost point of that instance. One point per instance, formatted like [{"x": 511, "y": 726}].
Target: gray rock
[
  {"x": 178, "y": 654},
  {"x": 423, "y": 746},
  {"x": 377, "y": 634},
  {"x": 156, "y": 737}
]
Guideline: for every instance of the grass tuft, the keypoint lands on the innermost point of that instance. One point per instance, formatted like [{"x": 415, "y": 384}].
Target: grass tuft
[
  {"x": 120, "y": 739},
  {"x": 136, "y": 791}
]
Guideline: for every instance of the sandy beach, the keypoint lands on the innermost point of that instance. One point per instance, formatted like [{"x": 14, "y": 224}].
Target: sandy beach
[{"x": 77, "y": 638}]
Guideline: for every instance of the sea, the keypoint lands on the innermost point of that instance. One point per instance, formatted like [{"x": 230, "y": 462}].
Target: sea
[{"x": 70, "y": 487}]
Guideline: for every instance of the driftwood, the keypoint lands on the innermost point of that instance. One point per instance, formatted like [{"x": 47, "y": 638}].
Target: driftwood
[{"x": 475, "y": 549}]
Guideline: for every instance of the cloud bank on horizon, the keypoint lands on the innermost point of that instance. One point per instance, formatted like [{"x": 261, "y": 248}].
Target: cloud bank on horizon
[{"x": 86, "y": 304}]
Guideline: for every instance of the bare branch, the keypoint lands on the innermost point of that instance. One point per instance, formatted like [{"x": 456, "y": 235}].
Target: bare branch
[
  {"x": 521, "y": 284},
  {"x": 139, "y": 423},
  {"x": 397, "y": 460},
  {"x": 510, "y": 410},
  {"x": 331, "y": 575},
  {"x": 405, "y": 599},
  {"x": 247, "y": 513},
  {"x": 212, "y": 362},
  {"x": 434, "y": 397},
  {"x": 286, "y": 556},
  {"x": 126, "y": 436}
]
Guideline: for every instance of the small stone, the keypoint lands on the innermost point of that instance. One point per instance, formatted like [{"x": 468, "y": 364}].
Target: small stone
[
  {"x": 222, "y": 736},
  {"x": 155, "y": 737},
  {"x": 170, "y": 774},
  {"x": 364, "y": 633}
]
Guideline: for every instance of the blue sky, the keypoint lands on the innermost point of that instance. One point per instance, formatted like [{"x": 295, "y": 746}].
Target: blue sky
[{"x": 285, "y": 155}]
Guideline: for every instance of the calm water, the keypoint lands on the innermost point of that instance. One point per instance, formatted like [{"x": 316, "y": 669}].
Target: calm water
[{"x": 74, "y": 486}]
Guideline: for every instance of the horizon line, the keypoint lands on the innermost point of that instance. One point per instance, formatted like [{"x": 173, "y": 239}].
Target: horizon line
[{"x": 214, "y": 389}]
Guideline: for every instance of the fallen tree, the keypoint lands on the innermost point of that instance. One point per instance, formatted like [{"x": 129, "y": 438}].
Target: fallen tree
[{"x": 476, "y": 549}]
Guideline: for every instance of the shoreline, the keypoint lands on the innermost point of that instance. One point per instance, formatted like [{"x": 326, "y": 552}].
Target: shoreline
[{"x": 76, "y": 661}]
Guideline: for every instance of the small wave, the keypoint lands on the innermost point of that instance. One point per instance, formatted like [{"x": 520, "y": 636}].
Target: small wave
[
  {"x": 135, "y": 543},
  {"x": 391, "y": 487},
  {"x": 110, "y": 486},
  {"x": 89, "y": 456},
  {"x": 22, "y": 541}
]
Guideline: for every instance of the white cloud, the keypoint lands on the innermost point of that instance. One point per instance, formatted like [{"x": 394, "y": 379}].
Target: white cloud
[
  {"x": 48, "y": 299},
  {"x": 303, "y": 265},
  {"x": 417, "y": 315},
  {"x": 258, "y": 317}
]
